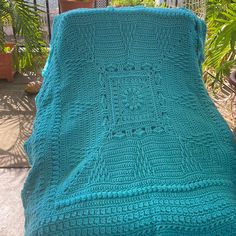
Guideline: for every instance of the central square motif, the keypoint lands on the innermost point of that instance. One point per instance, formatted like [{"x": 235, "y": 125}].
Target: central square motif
[
  {"x": 131, "y": 98},
  {"x": 132, "y": 101}
]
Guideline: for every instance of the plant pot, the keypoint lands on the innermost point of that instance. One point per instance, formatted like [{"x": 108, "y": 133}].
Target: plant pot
[
  {"x": 6, "y": 63},
  {"x": 67, "y": 5},
  {"x": 33, "y": 87}
]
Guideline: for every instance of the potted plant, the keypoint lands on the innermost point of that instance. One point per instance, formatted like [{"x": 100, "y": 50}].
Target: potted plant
[
  {"x": 6, "y": 62},
  {"x": 67, "y": 5},
  {"x": 22, "y": 18}
]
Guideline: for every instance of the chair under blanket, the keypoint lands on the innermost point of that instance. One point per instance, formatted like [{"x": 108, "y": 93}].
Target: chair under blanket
[{"x": 126, "y": 140}]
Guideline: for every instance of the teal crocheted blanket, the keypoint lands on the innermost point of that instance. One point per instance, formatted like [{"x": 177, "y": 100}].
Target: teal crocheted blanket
[{"x": 126, "y": 140}]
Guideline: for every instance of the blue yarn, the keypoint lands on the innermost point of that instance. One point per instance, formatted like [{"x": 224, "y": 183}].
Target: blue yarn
[{"x": 126, "y": 140}]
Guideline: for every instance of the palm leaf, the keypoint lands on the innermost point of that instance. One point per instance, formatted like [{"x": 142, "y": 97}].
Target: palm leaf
[
  {"x": 24, "y": 18},
  {"x": 220, "y": 44}
]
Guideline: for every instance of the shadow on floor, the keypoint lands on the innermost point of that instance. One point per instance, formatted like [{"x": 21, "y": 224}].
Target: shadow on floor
[{"x": 17, "y": 112}]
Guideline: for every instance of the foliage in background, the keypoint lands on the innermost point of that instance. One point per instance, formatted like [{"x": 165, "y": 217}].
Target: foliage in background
[
  {"x": 24, "y": 19},
  {"x": 124, "y": 3},
  {"x": 32, "y": 52},
  {"x": 221, "y": 37}
]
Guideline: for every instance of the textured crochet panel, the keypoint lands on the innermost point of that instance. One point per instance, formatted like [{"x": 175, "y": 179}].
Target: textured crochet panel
[
  {"x": 132, "y": 100},
  {"x": 126, "y": 140}
]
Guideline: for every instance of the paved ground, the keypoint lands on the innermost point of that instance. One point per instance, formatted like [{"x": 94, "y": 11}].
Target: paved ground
[
  {"x": 17, "y": 111},
  {"x": 11, "y": 210}
]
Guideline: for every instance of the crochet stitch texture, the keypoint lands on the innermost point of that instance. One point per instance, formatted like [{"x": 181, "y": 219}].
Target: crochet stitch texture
[{"x": 126, "y": 140}]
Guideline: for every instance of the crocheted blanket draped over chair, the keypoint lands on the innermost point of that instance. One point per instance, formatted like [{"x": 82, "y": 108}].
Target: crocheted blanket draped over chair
[{"x": 126, "y": 140}]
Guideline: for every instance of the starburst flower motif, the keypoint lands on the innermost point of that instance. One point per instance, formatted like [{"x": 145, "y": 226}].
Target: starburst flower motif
[{"x": 132, "y": 98}]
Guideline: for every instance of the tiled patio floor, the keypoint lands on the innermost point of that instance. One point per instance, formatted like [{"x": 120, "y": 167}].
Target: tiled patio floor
[
  {"x": 11, "y": 210},
  {"x": 17, "y": 110}
]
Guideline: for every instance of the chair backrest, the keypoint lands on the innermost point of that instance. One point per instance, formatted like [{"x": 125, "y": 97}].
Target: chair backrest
[{"x": 123, "y": 111}]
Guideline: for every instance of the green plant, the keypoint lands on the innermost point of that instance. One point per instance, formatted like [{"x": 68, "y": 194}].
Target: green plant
[
  {"x": 220, "y": 45},
  {"x": 148, "y": 3},
  {"x": 124, "y": 3},
  {"x": 6, "y": 49},
  {"x": 24, "y": 19}
]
